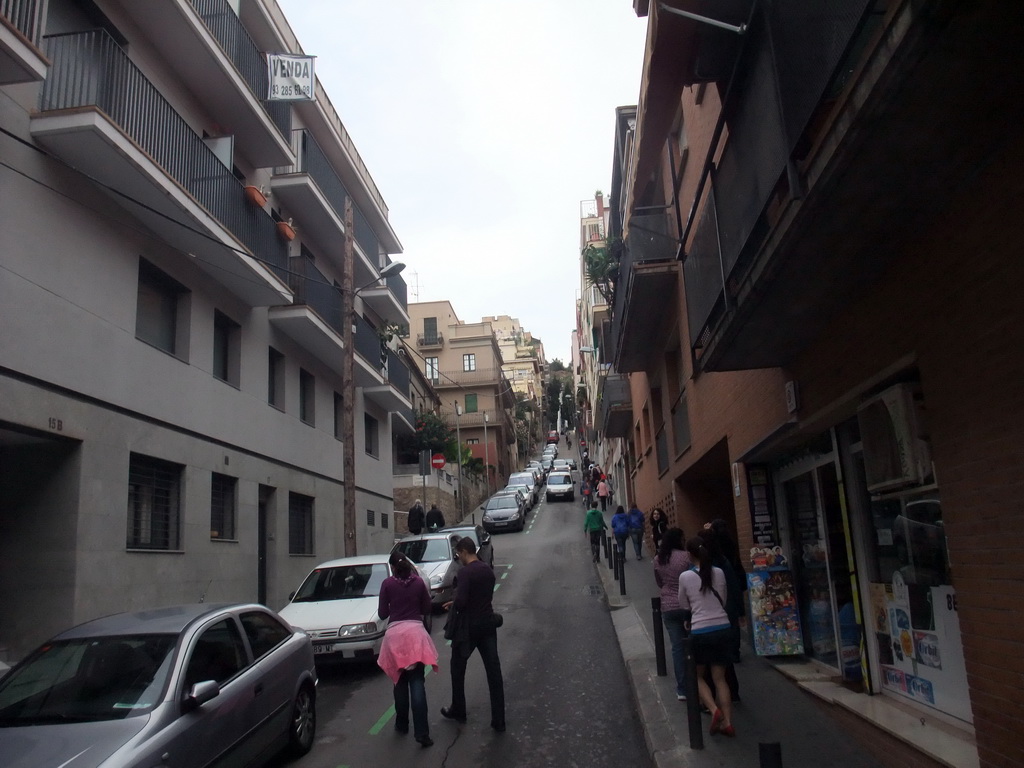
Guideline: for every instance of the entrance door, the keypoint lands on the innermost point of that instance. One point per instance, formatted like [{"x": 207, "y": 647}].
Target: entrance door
[{"x": 265, "y": 505}]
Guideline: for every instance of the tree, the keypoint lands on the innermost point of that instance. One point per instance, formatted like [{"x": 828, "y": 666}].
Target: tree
[
  {"x": 556, "y": 365},
  {"x": 601, "y": 263},
  {"x": 432, "y": 434}
]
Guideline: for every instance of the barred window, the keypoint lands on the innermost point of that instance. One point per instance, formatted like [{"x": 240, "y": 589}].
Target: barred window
[
  {"x": 222, "y": 506},
  {"x": 383, "y": 519},
  {"x": 154, "y": 503},
  {"x": 370, "y": 515},
  {"x": 300, "y": 524}
]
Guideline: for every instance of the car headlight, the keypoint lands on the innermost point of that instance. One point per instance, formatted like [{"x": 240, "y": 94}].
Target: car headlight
[
  {"x": 436, "y": 579},
  {"x": 487, "y": 517},
  {"x": 353, "y": 630}
]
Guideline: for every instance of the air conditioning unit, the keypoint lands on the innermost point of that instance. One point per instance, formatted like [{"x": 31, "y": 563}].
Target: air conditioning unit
[{"x": 895, "y": 455}]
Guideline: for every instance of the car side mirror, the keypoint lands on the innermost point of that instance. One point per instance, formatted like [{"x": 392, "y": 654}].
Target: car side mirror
[
  {"x": 291, "y": 595},
  {"x": 201, "y": 693}
]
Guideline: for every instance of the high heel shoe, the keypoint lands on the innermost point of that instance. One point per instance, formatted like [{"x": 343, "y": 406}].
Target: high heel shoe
[
  {"x": 716, "y": 722},
  {"x": 728, "y": 730}
]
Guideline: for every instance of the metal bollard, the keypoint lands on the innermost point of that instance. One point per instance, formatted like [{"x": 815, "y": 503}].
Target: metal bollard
[
  {"x": 622, "y": 573},
  {"x": 659, "y": 637},
  {"x": 608, "y": 547},
  {"x": 770, "y": 754},
  {"x": 615, "y": 562},
  {"x": 692, "y": 697}
]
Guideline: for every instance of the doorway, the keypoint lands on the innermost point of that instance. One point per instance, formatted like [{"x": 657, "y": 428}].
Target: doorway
[{"x": 266, "y": 498}]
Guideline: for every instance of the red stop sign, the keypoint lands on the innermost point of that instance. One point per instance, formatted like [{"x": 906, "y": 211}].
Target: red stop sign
[{"x": 437, "y": 461}]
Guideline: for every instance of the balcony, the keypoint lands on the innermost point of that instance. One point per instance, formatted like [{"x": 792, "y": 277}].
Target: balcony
[
  {"x": 616, "y": 418},
  {"x": 212, "y": 52},
  {"x": 430, "y": 340},
  {"x": 314, "y": 320},
  {"x": 403, "y": 421},
  {"x": 648, "y": 282},
  {"x": 313, "y": 188},
  {"x": 480, "y": 377},
  {"x": 101, "y": 115},
  {"x": 393, "y": 395},
  {"x": 777, "y": 265},
  {"x": 371, "y": 354},
  {"x": 21, "y": 61}
]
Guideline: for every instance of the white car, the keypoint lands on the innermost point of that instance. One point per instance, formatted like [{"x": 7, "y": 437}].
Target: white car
[{"x": 336, "y": 605}]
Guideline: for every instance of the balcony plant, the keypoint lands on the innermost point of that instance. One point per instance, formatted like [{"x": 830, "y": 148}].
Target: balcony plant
[
  {"x": 286, "y": 230},
  {"x": 601, "y": 262},
  {"x": 255, "y": 195}
]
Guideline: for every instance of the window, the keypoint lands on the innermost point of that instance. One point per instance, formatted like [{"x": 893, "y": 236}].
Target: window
[
  {"x": 370, "y": 517},
  {"x": 339, "y": 407},
  {"x": 469, "y": 362},
  {"x": 473, "y": 441},
  {"x": 154, "y": 503},
  {"x": 432, "y": 370},
  {"x": 307, "y": 397},
  {"x": 226, "y": 357},
  {"x": 218, "y": 655},
  {"x": 370, "y": 427},
  {"x": 383, "y": 519},
  {"x": 161, "y": 311},
  {"x": 222, "y": 506},
  {"x": 471, "y": 403},
  {"x": 275, "y": 379},
  {"x": 430, "y": 329},
  {"x": 300, "y": 524},
  {"x": 264, "y": 632}
]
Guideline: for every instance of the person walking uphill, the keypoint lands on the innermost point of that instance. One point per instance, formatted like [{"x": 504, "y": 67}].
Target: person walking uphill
[
  {"x": 435, "y": 519},
  {"x": 669, "y": 564},
  {"x": 636, "y": 530},
  {"x": 701, "y": 591},
  {"x": 593, "y": 524},
  {"x": 604, "y": 491},
  {"x": 415, "y": 524},
  {"x": 620, "y": 529},
  {"x": 407, "y": 647},
  {"x": 474, "y": 626}
]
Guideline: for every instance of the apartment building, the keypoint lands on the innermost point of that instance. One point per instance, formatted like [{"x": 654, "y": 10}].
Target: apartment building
[
  {"x": 821, "y": 239},
  {"x": 522, "y": 362},
  {"x": 463, "y": 363},
  {"x": 172, "y": 251}
]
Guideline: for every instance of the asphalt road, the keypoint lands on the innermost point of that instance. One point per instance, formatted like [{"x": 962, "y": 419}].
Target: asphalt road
[{"x": 567, "y": 699}]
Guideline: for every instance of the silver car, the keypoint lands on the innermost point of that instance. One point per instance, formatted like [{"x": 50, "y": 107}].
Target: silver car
[
  {"x": 184, "y": 686},
  {"x": 434, "y": 555}
]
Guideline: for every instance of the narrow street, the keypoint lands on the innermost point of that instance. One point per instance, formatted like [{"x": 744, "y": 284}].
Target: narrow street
[{"x": 568, "y": 702}]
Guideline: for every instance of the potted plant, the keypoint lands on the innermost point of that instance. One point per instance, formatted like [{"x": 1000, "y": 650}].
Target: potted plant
[
  {"x": 255, "y": 195},
  {"x": 286, "y": 230}
]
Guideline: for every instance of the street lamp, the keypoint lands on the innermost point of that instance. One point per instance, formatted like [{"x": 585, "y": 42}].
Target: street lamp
[
  {"x": 348, "y": 380},
  {"x": 487, "y": 459},
  {"x": 458, "y": 440}
]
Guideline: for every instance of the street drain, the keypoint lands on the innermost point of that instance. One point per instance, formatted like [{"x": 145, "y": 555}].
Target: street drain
[{"x": 593, "y": 590}]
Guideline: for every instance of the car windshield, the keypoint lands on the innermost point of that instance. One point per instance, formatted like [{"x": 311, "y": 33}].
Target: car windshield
[
  {"x": 88, "y": 679},
  {"x": 559, "y": 480},
  {"x": 502, "y": 502},
  {"x": 342, "y": 583},
  {"x": 426, "y": 550},
  {"x": 522, "y": 479}
]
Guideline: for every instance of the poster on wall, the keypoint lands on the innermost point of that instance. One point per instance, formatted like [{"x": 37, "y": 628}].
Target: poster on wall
[
  {"x": 917, "y": 636},
  {"x": 774, "y": 615}
]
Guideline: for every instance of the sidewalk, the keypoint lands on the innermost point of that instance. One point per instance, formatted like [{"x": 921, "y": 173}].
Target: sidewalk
[{"x": 773, "y": 708}]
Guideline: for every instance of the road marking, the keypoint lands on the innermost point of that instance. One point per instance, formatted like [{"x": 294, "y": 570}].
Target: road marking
[
  {"x": 390, "y": 712},
  {"x": 504, "y": 575}
]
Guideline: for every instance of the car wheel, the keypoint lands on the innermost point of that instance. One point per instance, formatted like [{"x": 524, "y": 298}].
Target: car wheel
[
  {"x": 547, "y": 498},
  {"x": 573, "y": 497},
  {"x": 302, "y": 729}
]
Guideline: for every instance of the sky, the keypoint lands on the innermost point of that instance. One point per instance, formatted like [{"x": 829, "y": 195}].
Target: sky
[{"x": 483, "y": 123}]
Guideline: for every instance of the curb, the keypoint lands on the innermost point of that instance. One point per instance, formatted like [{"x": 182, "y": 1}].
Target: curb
[{"x": 637, "y": 648}]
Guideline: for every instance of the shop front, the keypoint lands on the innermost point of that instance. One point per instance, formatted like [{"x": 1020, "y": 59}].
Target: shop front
[{"x": 852, "y": 521}]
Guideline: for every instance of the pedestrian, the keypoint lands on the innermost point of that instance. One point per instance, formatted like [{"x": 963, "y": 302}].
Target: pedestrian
[
  {"x": 407, "y": 648},
  {"x": 593, "y": 524},
  {"x": 586, "y": 491},
  {"x": 435, "y": 519},
  {"x": 659, "y": 523},
  {"x": 595, "y": 475},
  {"x": 701, "y": 590},
  {"x": 603, "y": 492},
  {"x": 620, "y": 529},
  {"x": 415, "y": 523},
  {"x": 719, "y": 543},
  {"x": 672, "y": 559},
  {"x": 474, "y": 590},
  {"x": 636, "y": 530}
]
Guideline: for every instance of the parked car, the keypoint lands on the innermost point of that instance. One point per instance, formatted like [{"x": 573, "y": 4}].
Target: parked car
[
  {"x": 560, "y": 465},
  {"x": 170, "y": 687},
  {"x": 548, "y": 463},
  {"x": 560, "y": 486},
  {"x": 434, "y": 554},
  {"x": 480, "y": 537},
  {"x": 531, "y": 487},
  {"x": 572, "y": 463},
  {"x": 514, "y": 490},
  {"x": 550, "y": 450},
  {"x": 504, "y": 513},
  {"x": 553, "y": 436},
  {"x": 336, "y": 605}
]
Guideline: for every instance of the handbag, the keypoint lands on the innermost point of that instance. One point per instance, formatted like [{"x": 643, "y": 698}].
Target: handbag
[
  {"x": 497, "y": 619},
  {"x": 456, "y": 627}
]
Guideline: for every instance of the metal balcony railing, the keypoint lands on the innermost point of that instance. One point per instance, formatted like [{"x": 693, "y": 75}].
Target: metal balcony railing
[
  {"x": 310, "y": 158},
  {"x": 398, "y": 287},
  {"x": 91, "y": 69},
  {"x": 365, "y": 236},
  {"x": 398, "y": 372},
  {"x": 368, "y": 345},
  {"x": 429, "y": 340},
  {"x": 312, "y": 288},
  {"x": 25, "y": 15},
  {"x": 479, "y": 376},
  {"x": 250, "y": 62}
]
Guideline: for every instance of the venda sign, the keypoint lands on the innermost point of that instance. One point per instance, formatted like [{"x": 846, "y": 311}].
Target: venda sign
[{"x": 291, "y": 77}]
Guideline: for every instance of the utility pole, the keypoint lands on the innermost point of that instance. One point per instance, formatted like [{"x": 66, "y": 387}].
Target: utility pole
[{"x": 348, "y": 426}]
